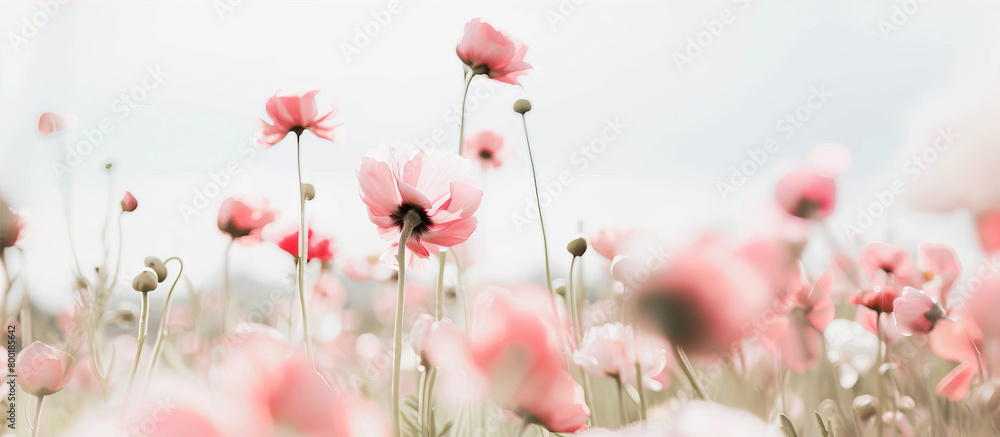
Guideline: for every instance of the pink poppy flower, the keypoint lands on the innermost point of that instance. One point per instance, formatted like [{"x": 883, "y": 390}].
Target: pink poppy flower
[
  {"x": 612, "y": 242},
  {"x": 957, "y": 339},
  {"x": 295, "y": 111},
  {"x": 129, "y": 203},
  {"x": 43, "y": 370},
  {"x": 610, "y": 350},
  {"x": 11, "y": 225},
  {"x": 489, "y": 51},
  {"x": 882, "y": 262},
  {"x": 879, "y": 299},
  {"x": 488, "y": 149},
  {"x": 988, "y": 225},
  {"x": 321, "y": 247},
  {"x": 955, "y": 385},
  {"x": 940, "y": 261},
  {"x": 806, "y": 194},
  {"x": 438, "y": 343},
  {"x": 243, "y": 219},
  {"x": 702, "y": 300},
  {"x": 53, "y": 122},
  {"x": 438, "y": 186},
  {"x": 916, "y": 313},
  {"x": 519, "y": 355},
  {"x": 799, "y": 331}
]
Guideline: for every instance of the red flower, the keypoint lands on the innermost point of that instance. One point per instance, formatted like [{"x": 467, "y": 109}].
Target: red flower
[
  {"x": 320, "y": 247},
  {"x": 880, "y": 299}
]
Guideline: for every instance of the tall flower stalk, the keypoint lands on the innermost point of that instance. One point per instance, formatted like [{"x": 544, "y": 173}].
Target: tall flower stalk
[
  {"x": 303, "y": 248},
  {"x": 162, "y": 331},
  {"x": 522, "y": 107},
  {"x": 410, "y": 221}
]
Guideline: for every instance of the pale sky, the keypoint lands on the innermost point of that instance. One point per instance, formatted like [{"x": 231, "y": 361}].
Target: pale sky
[{"x": 203, "y": 73}]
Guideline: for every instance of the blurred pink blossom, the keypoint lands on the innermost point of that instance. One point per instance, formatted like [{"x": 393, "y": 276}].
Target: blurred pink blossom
[
  {"x": 244, "y": 218},
  {"x": 53, "y": 122},
  {"x": 43, "y": 370},
  {"x": 488, "y": 149}
]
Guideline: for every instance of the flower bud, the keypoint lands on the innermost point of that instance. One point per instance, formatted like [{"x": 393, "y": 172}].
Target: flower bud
[
  {"x": 521, "y": 106},
  {"x": 158, "y": 266},
  {"x": 865, "y": 407},
  {"x": 145, "y": 281},
  {"x": 129, "y": 203},
  {"x": 577, "y": 247},
  {"x": 308, "y": 191}
]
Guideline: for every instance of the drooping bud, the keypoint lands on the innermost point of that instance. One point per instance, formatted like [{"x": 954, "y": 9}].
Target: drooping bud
[
  {"x": 145, "y": 281},
  {"x": 865, "y": 407},
  {"x": 158, "y": 266},
  {"x": 129, "y": 203},
  {"x": 521, "y": 106},
  {"x": 577, "y": 247},
  {"x": 308, "y": 191}
]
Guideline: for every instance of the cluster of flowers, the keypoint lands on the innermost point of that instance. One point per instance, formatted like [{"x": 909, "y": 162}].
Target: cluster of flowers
[{"x": 543, "y": 354}]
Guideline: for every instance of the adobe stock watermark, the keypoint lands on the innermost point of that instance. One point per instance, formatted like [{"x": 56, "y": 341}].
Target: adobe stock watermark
[
  {"x": 713, "y": 30},
  {"x": 582, "y": 158},
  {"x": 30, "y": 26},
  {"x": 365, "y": 33},
  {"x": 787, "y": 125},
  {"x": 218, "y": 181},
  {"x": 562, "y": 11},
  {"x": 901, "y": 14},
  {"x": 122, "y": 107},
  {"x": 913, "y": 168}
]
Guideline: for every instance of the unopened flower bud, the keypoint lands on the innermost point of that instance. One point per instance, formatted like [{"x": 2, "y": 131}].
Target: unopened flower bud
[
  {"x": 865, "y": 407},
  {"x": 145, "y": 281},
  {"x": 906, "y": 403},
  {"x": 158, "y": 266},
  {"x": 521, "y": 106},
  {"x": 577, "y": 247},
  {"x": 308, "y": 191},
  {"x": 129, "y": 203}
]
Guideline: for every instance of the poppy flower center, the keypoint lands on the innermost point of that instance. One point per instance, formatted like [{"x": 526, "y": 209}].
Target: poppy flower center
[
  {"x": 486, "y": 154},
  {"x": 675, "y": 315},
  {"x": 399, "y": 217}
]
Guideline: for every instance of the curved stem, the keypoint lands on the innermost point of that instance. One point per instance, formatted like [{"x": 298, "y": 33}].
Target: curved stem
[
  {"x": 225, "y": 288},
  {"x": 118, "y": 262},
  {"x": 689, "y": 373},
  {"x": 541, "y": 220},
  {"x": 38, "y": 415},
  {"x": 162, "y": 332},
  {"x": 141, "y": 337},
  {"x": 461, "y": 126},
  {"x": 409, "y": 222},
  {"x": 439, "y": 314},
  {"x": 303, "y": 255}
]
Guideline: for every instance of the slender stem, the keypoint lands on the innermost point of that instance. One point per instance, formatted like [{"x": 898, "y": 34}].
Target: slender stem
[
  {"x": 303, "y": 255},
  {"x": 538, "y": 202},
  {"x": 686, "y": 367},
  {"x": 409, "y": 222},
  {"x": 639, "y": 386},
  {"x": 429, "y": 398},
  {"x": 118, "y": 262},
  {"x": 162, "y": 332},
  {"x": 878, "y": 365},
  {"x": 573, "y": 304},
  {"x": 422, "y": 405},
  {"x": 621, "y": 402},
  {"x": 6, "y": 290},
  {"x": 141, "y": 337},
  {"x": 38, "y": 415},
  {"x": 439, "y": 314},
  {"x": 226, "y": 291},
  {"x": 461, "y": 126}
]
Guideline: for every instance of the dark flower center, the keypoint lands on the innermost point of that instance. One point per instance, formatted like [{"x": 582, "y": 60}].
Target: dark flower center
[
  {"x": 675, "y": 315},
  {"x": 297, "y": 129},
  {"x": 486, "y": 154},
  {"x": 399, "y": 218}
]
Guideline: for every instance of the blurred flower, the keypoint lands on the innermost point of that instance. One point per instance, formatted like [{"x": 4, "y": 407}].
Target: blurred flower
[
  {"x": 489, "y": 51},
  {"x": 328, "y": 292},
  {"x": 369, "y": 269},
  {"x": 880, "y": 300},
  {"x": 243, "y": 219},
  {"x": 52, "y": 122},
  {"x": 887, "y": 265},
  {"x": 988, "y": 226},
  {"x": 806, "y": 194},
  {"x": 438, "y": 343},
  {"x": 939, "y": 261},
  {"x": 694, "y": 419},
  {"x": 612, "y": 242},
  {"x": 519, "y": 355},
  {"x": 11, "y": 225},
  {"x": 488, "y": 149},
  {"x": 916, "y": 313},
  {"x": 321, "y": 247},
  {"x": 129, "y": 203},
  {"x": 957, "y": 338},
  {"x": 295, "y": 111},
  {"x": 438, "y": 186},
  {"x": 704, "y": 298},
  {"x": 851, "y": 348},
  {"x": 798, "y": 330},
  {"x": 43, "y": 370},
  {"x": 610, "y": 350}
]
